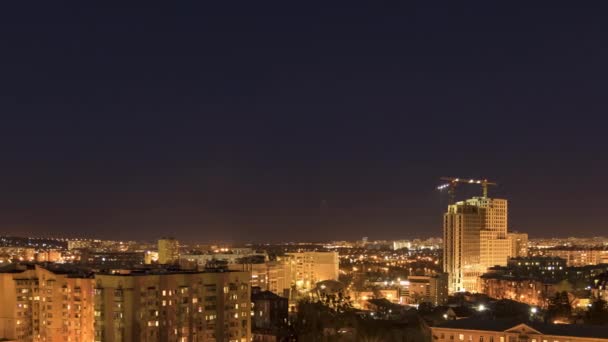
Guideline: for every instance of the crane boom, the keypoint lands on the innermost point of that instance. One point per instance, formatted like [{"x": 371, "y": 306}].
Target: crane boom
[{"x": 452, "y": 182}]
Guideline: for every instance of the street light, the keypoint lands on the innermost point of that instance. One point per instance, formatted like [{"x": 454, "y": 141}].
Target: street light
[
  {"x": 533, "y": 310},
  {"x": 481, "y": 307}
]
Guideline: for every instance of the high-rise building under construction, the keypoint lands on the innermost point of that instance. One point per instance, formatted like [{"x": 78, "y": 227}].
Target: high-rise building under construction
[{"x": 475, "y": 238}]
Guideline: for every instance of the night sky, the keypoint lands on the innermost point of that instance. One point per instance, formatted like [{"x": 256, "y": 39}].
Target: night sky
[{"x": 281, "y": 121}]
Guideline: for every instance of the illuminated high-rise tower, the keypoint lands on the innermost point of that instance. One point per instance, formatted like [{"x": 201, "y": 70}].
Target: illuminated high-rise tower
[{"x": 475, "y": 238}]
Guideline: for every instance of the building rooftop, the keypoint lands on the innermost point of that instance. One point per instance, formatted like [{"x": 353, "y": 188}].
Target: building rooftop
[
  {"x": 577, "y": 248},
  {"x": 266, "y": 295},
  {"x": 71, "y": 270},
  {"x": 159, "y": 271},
  {"x": 535, "y": 258},
  {"x": 573, "y": 330}
]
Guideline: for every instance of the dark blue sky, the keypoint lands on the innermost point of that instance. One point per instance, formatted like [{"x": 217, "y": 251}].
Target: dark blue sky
[{"x": 235, "y": 120}]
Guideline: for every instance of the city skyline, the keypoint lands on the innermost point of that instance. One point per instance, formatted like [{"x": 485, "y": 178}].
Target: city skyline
[
  {"x": 297, "y": 171},
  {"x": 254, "y": 123}
]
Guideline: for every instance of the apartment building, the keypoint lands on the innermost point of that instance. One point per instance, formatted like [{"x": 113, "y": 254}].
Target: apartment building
[
  {"x": 577, "y": 256},
  {"x": 39, "y": 304},
  {"x": 309, "y": 268},
  {"x": 273, "y": 276},
  {"x": 66, "y": 303},
  {"x": 176, "y": 306}
]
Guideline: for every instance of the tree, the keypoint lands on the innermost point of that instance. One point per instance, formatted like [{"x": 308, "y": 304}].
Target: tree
[
  {"x": 597, "y": 313},
  {"x": 346, "y": 278},
  {"x": 559, "y": 307},
  {"x": 425, "y": 308}
]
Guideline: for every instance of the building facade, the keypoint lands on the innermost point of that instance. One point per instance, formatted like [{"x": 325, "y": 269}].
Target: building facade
[
  {"x": 65, "y": 303},
  {"x": 168, "y": 251},
  {"x": 575, "y": 256},
  {"x": 177, "y": 306},
  {"x": 479, "y": 330},
  {"x": 534, "y": 280},
  {"x": 309, "y": 268},
  {"x": 37, "y": 304},
  {"x": 270, "y": 315},
  {"x": 112, "y": 259},
  {"x": 273, "y": 276},
  {"x": 535, "y": 292},
  {"x": 475, "y": 238},
  {"x": 419, "y": 289},
  {"x": 518, "y": 243}
]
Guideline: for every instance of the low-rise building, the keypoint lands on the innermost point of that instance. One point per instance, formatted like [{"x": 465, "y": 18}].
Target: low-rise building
[
  {"x": 419, "y": 289},
  {"x": 534, "y": 292},
  {"x": 269, "y": 318},
  {"x": 230, "y": 258},
  {"x": 9, "y": 254},
  {"x": 537, "y": 281},
  {"x": 486, "y": 330},
  {"x": 578, "y": 256},
  {"x": 112, "y": 259},
  {"x": 537, "y": 265}
]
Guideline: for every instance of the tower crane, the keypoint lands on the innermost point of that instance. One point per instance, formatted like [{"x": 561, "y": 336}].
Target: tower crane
[{"x": 452, "y": 182}]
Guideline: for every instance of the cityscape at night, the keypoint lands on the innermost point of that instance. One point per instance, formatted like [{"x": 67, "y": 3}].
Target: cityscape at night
[{"x": 283, "y": 172}]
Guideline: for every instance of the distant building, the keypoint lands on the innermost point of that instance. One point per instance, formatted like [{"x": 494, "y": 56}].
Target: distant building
[
  {"x": 168, "y": 251},
  {"x": 236, "y": 256},
  {"x": 579, "y": 256},
  {"x": 112, "y": 259},
  {"x": 399, "y": 244},
  {"x": 173, "y": 306},
  {"x": 50, "y": 255},
  {"x": 531, "y": 291},
  {"x": 536, "y": 265},
  {"x": 431, "y": 289},
  {"x": 150, "y": 256},
  {"x": 269, "y": 318},
  {"x": 309, "y": 268},
  {"x": 535, "y": 280},
  {"x": 273, "y": 276},
  {"x": 474, "y": 329},
  {"x": 518, "y": 243},
  {"x": 39, "y": 304}
]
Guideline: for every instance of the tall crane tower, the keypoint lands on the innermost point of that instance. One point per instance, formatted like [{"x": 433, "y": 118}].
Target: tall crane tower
[{"x": 452, "y": 182}]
